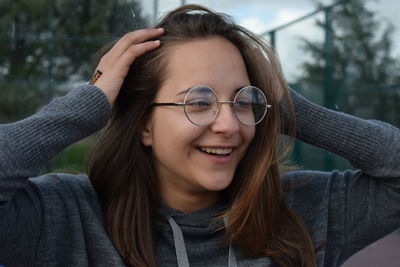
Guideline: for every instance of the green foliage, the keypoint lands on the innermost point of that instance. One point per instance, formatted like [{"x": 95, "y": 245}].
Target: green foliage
[
  {"x": 46, "y": 46},
  {"x": 17, "y": 100},
  {"x": 47, "y": 42},
  {"x": 363, "y": 73},
  {"x": 73, "y": 159},
  {"x": 366, "y": 76}
]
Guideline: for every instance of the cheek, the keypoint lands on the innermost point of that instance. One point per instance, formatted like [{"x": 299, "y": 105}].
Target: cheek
[
  {"x": 171, "y": 131},
  {"x": 249, "y": 133}
]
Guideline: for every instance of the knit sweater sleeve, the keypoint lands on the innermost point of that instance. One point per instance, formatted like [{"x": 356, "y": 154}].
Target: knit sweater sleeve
[
  {"x": 25, "y": 146},
  {"x": 358, "y": 207}
]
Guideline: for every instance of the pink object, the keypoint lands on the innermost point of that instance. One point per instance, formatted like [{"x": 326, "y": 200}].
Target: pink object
[{"x": 384, "y": 252}]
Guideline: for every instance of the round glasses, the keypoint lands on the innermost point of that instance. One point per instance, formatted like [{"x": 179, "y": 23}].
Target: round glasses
[{"x": 201, "y": 105}]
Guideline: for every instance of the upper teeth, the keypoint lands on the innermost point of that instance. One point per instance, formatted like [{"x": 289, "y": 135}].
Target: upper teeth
[{"x": 220, "y": 151}]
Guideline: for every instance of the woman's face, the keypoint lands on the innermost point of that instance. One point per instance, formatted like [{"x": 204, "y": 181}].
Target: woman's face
[{"x": 180, "y": 147}]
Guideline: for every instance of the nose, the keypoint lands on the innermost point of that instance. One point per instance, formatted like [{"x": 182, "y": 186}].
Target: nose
[{"x": 226, "y": 122}]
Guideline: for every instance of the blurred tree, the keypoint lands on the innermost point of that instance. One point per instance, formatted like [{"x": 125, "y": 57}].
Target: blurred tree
[
  {"x": 47, "y": 42},
  {"x": 366, "y": 76}
]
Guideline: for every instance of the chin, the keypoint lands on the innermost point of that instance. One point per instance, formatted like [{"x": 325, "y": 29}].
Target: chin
[{"x": 217, "y": 186}]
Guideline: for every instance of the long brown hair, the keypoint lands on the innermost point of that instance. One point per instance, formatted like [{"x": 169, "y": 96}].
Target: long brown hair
[{"x": 121, "y": 170}]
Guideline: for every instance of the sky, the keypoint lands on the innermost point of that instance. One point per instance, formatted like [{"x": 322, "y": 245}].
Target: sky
[{"x": 262, "y": 15}]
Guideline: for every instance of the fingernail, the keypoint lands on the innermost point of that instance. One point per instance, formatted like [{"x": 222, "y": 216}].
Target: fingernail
[
  {"x": 160, "y": 29},
  {"x": 157, "y": 41}
]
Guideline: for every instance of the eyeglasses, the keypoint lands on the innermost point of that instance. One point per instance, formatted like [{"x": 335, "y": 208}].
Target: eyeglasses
[{"x": 201, "y": 105}]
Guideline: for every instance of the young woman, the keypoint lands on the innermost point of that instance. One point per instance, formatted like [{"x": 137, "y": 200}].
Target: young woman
[{"x": 187, "y": 172}]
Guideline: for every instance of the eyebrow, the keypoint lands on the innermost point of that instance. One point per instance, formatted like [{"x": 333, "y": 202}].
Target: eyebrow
[
  {"x": 187, "y": 90},
  {"x": 184, "y": 91}
]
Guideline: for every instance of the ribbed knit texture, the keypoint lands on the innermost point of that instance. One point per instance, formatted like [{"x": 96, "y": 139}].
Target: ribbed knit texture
[
  {"x": 347, "y": 136},
  {"x": 56, "y": 220}
]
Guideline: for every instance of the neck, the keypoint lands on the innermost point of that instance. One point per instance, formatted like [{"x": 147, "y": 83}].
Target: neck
[{"x": 187, "y": 202}]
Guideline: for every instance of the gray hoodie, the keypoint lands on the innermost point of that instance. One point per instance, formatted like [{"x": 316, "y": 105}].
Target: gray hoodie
[{"x": 56, "y": 219}]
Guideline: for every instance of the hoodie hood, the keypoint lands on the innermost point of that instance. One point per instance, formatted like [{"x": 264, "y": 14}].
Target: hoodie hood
[{"x": 193, "y": 227}]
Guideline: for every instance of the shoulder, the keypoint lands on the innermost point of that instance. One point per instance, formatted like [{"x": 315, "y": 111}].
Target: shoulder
[
  {"x": 307, "y": 186},
  {"x": 62, "y": 184},
  {"x": 318, "y": 198},
  {"x": 307, "y": 179}
]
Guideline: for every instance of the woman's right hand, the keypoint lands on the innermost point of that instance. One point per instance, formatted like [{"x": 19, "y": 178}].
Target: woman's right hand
[{"x": 115, "y": 64}]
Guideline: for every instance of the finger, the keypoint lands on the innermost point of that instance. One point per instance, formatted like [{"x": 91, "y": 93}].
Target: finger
[
  {"x": 135, "y": 51},
  {"x": 140, "y": 36},
  {"x": 135, "y": 37}
]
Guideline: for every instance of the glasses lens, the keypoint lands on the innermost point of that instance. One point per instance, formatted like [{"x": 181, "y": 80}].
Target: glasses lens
[
  {"x": 250, "y": 105},
  {"x": 201, "y": 105}
]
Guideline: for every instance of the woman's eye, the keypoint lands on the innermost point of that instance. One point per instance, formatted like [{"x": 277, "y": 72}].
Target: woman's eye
[
  {"x": 198, "y": 106},
  {"x": 199, "y": 103},
  {"x": 243, "y": 104}
]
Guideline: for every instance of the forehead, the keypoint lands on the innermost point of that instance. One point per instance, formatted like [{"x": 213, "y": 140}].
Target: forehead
[{"x": 214, "y": 62}]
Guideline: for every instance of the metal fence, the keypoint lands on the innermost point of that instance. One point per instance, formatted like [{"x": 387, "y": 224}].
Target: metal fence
[
  {"x": 337, "y": 97},
  {"x": 327, "y": 94}
]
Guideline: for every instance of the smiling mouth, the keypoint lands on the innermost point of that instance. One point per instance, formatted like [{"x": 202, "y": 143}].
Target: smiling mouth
[{"x": 220, "y": 152}]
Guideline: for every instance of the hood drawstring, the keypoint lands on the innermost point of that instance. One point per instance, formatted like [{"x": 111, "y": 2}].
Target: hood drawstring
[
  {"x": 180, "y": 248},
  {"x": 231, "y": 256}
]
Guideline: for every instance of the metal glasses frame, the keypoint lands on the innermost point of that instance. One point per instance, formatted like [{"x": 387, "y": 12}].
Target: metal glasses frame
[{"x": 231, "y": 102}]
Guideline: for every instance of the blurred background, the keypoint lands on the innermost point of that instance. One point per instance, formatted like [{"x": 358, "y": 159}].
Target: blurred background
[{"x": 344, "y": 55}]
